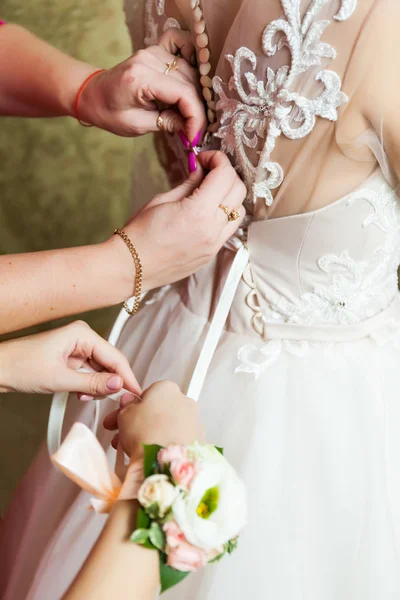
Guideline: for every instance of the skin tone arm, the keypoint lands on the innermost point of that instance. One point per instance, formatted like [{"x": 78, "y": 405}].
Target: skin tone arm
[
  {"x": 116, "y": 568},
  {"x": 48, "y": 362},
  {"x": 37, "y": 80},
  {"x": 175, "y": 234}
]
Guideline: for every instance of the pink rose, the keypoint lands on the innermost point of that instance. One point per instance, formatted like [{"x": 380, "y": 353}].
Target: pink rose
[
  {"x": 186, "y": 557},
  {"x": 174, "y": 534},
  {"x": 183, "y": 472},
  {"x": 167, "y": 455}
]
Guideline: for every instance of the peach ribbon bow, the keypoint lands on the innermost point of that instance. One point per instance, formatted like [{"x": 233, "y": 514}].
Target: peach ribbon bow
[{"x": 82, "y": 459}]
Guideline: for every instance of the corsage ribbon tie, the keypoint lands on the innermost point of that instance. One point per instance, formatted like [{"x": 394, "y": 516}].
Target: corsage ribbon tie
[{"x": 82, "y": 459}]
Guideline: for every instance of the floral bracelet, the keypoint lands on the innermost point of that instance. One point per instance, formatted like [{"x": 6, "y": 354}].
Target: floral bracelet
[
  {"x": 192, "y": 508},
  {"x": 192, "y": 503}
]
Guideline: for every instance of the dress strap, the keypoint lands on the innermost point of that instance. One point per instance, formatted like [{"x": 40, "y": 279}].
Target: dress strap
[
  {"x": 217, "y": 323},
  {"x": 60, "y": 400}
]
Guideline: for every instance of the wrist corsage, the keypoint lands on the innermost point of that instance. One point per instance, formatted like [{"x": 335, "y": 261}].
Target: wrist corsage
[
  {"x": 192, "y": 508},
  {"x": 192, "y": 503}
]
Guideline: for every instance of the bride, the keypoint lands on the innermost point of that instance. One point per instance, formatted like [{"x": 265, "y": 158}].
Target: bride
[{"x": 290, "y": 340}]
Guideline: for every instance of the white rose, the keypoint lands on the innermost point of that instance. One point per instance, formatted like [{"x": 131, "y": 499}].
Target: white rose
[
  {"x": 215, "y": 510},
  {"x": 157, "y": 489}
]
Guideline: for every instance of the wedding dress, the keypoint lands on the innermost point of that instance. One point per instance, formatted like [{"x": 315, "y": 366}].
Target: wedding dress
[{"x": 299, "y": 383}]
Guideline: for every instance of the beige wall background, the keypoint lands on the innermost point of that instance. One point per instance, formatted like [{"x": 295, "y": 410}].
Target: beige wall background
[{"x": 62, "y": 185}]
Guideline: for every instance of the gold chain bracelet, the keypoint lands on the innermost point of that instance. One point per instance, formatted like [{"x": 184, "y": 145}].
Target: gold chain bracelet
[{"x": 139, "y": 272}]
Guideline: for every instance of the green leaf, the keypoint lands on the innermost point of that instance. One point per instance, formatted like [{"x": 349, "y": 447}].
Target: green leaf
[
  {"x": 150, "y": 459},
  {"x": 217, "y": 558},
  {"x": 220, "y": 450},
  {"x": 169, "y": 576},
  {"x": 142, "y": 519},
  {"x": 157, "y": 536},
  {"x": 140, "y": 536},
  {"x": 143, "y": 522},
  {"x": 231, "y": 545}
]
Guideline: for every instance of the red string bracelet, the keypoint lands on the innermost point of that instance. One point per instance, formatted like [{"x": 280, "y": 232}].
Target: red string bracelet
[
  {"x": 2, "y": 23},
  {"x": 78, "y": 96}
]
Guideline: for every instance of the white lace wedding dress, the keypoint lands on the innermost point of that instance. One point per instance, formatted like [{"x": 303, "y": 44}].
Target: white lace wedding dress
[{"x": 300, "y": 382}]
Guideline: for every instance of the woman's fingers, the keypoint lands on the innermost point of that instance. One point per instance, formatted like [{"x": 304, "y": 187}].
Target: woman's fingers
[
  {"x": 219, "y": 182},
  {"x": 175, "y": 40},
  {"x": 113, "y": 360},
  {"x": 109, "y": 368},
  {"x": 111, "y": 420},
  {"x": 231, "y": 227},
  {"x": 94, "y": 385},
  {"x": 159, "y": 59},
  {"x": 182, "y": 191},
  {"x": 233, "y": 201},
  {"x": 172, "y": 121},
  {"x": 171, "y": 91}
]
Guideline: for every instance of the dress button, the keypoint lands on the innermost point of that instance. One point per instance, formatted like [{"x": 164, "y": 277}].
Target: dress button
[
  {"x": 197, "y": 14},
  {"x": 206, "y": 81},
  {"x": 204, "y": 68},
  {"x": 199, "y": 27},
  {"x": 211, "y": 116},
  {"x": 202, "y": 40},
  {"x": 204, "y": 55},
  {"x": 207, "y": 94}
]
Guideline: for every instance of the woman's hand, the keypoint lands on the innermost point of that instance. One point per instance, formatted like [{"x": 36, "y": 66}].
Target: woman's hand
[
  {"x": 124, "y": 99},
  {"x": 49, "y": 362},
  {"x": 164, "y": 416},
  {"x": 181, "y": 231}
]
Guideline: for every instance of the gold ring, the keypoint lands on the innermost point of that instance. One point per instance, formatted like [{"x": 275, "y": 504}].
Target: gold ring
[
  {"x": 231, "y": 214},
  {"x": 171, "y": 66},
  {"x": 226, "y": 210},
  {"x": 160, "y": 123}
]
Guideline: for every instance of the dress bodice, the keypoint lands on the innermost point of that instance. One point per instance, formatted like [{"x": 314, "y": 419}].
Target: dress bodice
[
  {"x": 336, "y": 265},
  {"x": 331, "y": 267},
  {"x": 287, "y": 80}
]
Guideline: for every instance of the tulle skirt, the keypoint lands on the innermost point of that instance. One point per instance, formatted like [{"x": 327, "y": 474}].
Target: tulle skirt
[{"x": 316, "y": 439}]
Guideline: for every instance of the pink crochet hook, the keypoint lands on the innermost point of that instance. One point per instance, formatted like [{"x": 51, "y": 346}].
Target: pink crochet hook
[{"x": 191, "y": 150}]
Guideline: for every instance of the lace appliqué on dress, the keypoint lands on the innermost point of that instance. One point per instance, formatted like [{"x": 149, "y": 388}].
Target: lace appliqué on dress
[
  {"x": 271, "y": 107},
  {"x": 354, "y": 291},
  {"x": 155, "y": 13}
]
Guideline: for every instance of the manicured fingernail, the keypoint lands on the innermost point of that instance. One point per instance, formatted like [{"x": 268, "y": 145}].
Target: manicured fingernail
[
  {"x": 86, "y": 398},
  {"x": 197, "y": 138},
  {"x": 192, "y": 162},
  {"x": 114, "y": 383},
  {"x": 184, "y": 139}
]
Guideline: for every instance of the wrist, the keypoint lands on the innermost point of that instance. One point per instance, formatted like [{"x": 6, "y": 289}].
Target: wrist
[
  {"x": 78, "y": 74},
  {"x": 121, "y": 264}
]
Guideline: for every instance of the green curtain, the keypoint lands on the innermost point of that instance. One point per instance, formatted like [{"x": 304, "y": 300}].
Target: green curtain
[{"x": 61, "y": 185}]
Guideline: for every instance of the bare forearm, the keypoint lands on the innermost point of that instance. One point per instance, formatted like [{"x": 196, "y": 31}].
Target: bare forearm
[
  {"x": 36, "y": 79},
  {"x": 116, "y": 568},
  {"x": 42, "y": 286}
]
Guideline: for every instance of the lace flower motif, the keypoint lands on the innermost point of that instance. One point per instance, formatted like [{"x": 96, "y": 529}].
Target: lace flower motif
[
  {"x": 270, "y": 107},
  {"x": 351, "y": 292}
]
